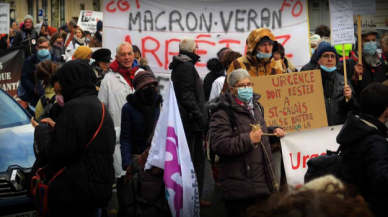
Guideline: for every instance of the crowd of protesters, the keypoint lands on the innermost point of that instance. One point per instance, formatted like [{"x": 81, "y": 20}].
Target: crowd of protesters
[{"x": 96, "y": 116}]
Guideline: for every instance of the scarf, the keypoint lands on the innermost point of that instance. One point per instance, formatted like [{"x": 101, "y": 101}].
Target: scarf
[
  {"x": 80, "y": 41},
  {"x": 127, "y": 75},
  {"x": 70, "y": 39},
  {"x": 372, "y": 60},
  {"x": 100, "y": 71},
  {"x": 249, "y": 106},
  {"x": 58, "y": 45}
]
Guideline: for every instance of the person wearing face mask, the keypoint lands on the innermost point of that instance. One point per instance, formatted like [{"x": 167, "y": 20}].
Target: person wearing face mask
[
  {"x": 334, "y": 90},
  {"x": 364, "y": 136},
  {"x": 27, "y": 38},
  {"x": 246, "y": 165},
  {"x": 57, "y": 48},
  {"x": 374, "y": 70},
  {"x": 102, "y": 58},
  {"x": 258, "y": 61},
  {"x": 314, "y": 39},
  {"x": 88, "y": 36},
  {"x": 31, "y": 85},
  {"x": 96, "y": 40}
]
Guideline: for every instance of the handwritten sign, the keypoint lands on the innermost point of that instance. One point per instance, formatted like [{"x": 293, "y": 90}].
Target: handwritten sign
[
  {"x": 157, "y": 27},
  {"x": 4, "y": 18},
  {"x": 342, "y": 29},
  {"x": 363, "y": 7},
  {"x": 88, "y": 20},
  {"x": 293, "y": 101}
]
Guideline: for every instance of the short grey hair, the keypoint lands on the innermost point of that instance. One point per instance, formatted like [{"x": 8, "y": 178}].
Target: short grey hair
[
  {"x": 236, "y": 76},
  {"x": 187, "y": 44},
  {"x": 123, "y": 44},
  {"x": 385, "y": 40}
]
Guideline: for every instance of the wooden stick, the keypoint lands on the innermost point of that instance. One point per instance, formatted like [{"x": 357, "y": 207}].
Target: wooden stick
[
  {"x": 346, "y": 80},
  {"x": 359, "y": 43}
]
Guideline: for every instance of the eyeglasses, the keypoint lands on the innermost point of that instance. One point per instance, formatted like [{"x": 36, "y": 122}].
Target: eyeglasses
[
  {"x": 266, "y": 44},
  {"x": 245, "y": 85},
  {"x": 43, "y": 47},
  {"x": 328, "y": 55}
]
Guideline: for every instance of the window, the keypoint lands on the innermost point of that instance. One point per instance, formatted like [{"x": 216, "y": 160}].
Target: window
[
  {"x": 82, "y": 7},
  {"x": 11, "y": 114}
]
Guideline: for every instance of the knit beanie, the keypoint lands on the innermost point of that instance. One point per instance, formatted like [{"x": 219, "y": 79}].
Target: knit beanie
[
  {"x": 314, "y": 39},
  {"x": 99, "y": 25},
  {"x": 221, "y": 56},
  {"x": 326, "y": 47},
  {"x": 144, "y": 78},
  {"x": 29, "y": 17},
  {"x": 82, "y": 52}
]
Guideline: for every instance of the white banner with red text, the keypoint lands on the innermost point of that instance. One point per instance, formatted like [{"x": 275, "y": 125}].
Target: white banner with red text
[
  {"x": 299, "y": 147},
  {"x": 156, "y": 27}
]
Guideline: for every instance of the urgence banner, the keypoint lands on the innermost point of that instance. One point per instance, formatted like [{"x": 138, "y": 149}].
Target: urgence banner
[{"x": 157, "y": 27}]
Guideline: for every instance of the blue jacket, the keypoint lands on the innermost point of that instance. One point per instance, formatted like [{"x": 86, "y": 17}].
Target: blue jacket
[
  {"x": 28, "y": 77},
  {"x": 133, "y": 139}
]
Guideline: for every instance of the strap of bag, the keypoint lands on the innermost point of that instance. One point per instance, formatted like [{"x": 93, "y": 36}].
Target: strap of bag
[{"x": 94, "y": 136}]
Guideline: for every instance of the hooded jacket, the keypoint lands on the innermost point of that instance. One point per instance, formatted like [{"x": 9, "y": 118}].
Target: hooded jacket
[
  {"x": 188, "y": 90},
  {"x": 216, "y": 70},
  {"x": 26, "y": 39},
  {"x": 86, "y": 183},
  {"x": 245, "y": 171},
  {"x": 364, "y": 137},
  {"x": 313, "y": 64},
  {"x": 254, "y": 66}
]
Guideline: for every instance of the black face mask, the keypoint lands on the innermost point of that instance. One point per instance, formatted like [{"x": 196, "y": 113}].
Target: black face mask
[{"x": 147, "y": 95}]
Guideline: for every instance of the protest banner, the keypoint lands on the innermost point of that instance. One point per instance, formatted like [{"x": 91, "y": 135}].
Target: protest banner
[
  {"x": 362, "y": 7},
  {"x": 169, "y": 151},
  {"x": 293, "y": 101},
  {"x": 88, "y": 20},
  {"x": 4, "y": 18},
  {"x": 299, "y": 147},
  {"x": 156, "y": 27},
  {"x": 11, "y": 62}
]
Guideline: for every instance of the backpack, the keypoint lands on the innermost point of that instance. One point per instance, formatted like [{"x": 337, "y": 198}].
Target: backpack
[
  {"x": 46, "y": 104},
  {"x": 334, "y": 163}
]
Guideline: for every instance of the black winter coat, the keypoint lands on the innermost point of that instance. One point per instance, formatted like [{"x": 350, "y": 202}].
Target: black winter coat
[
  {"x": 313, "y": 64},
  {"x": 86, "y": 183},
  {"x": 365, "y": 137},
  {"x": 216, "y": 71},
  {"x": 188, "y": 90},
  {"x": 26, "y": 39}
]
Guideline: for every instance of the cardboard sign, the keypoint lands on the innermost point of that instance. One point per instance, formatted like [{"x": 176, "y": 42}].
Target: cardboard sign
[
  {"x": 11, "y": 63},
  {"x": 157, "y": 27},
  {"x": 4, "y": 18},
  {"x": 299, "y": 147},
  {"x": 87, "y": 20},
  {"x": 363, "y": 7},
  {"x": 293, "y": 101},
  {"x": 342, "y": 28}
]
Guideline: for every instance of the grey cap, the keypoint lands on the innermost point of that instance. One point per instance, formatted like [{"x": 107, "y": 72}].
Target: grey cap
[
  {"x": 29, "y": 17},
  {"x": 366, "y": 30}
]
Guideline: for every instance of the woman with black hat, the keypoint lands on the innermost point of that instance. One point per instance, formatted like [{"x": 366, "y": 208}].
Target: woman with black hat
[{"x": 101, "y": 65}]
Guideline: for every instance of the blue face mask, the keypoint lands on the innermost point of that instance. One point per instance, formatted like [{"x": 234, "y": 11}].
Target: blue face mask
[
  {"x": 312, "y": 50},
  {"x": 245, "y": 94},
  {"x": 261, "y": 55},
  {"x": 43, "y": 55},
  {"x": 370, "y": 48},
  {"x": 91, "y": 61},
  {"x": 328, "y": 69}
]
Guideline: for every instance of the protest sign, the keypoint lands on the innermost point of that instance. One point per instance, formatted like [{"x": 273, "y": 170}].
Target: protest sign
[
  {"x": 88, "y": 20},
  {"x": 342, "y": 29},
  {"x": 299, "y": 147},
  {"x": 363, "y": 7},
  {"x": 11, "y": 62},
  {"x": 293, "y": 101},
  {"x": 4, "y": 18},
  {"x": 169, "y": 151},
  {"x": 156, "y": 27}
]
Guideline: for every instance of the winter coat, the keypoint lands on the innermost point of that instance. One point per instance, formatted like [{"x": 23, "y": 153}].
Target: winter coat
[
  {"x": 254, "y": 66},
  {"x": 144, "y": 64},
  {"x": 28, "y": 81},
  {"x": 113, "y": 92},
  {"x": 216, "y": 70},
  {"x": 49, "y": 93},
  {"x": 188, "y": 90},
  {"x": 133, "y": 137},
  {"x": 58, "y": 52},
  {"x": 94, "y": 42},
  {"x": 245, "y": 171},
  {"x": 86, "y": 183},
  {"x": 337, "y": 108},
  {"x": 21, "y": 41},
  {"x": 365, "y": 137},
  {"x": 313, "y": 64},
  {"x": 3, "y": 41}
]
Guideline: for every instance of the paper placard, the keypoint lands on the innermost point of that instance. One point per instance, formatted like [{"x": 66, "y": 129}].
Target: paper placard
[
  {"x": 293, "y": 101},
  {"x": 4, "y": 18},
  {"x": 363, "y": 7},
  {"x": 88, "y": 20},
  {"x": 342, "y": 29}
]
